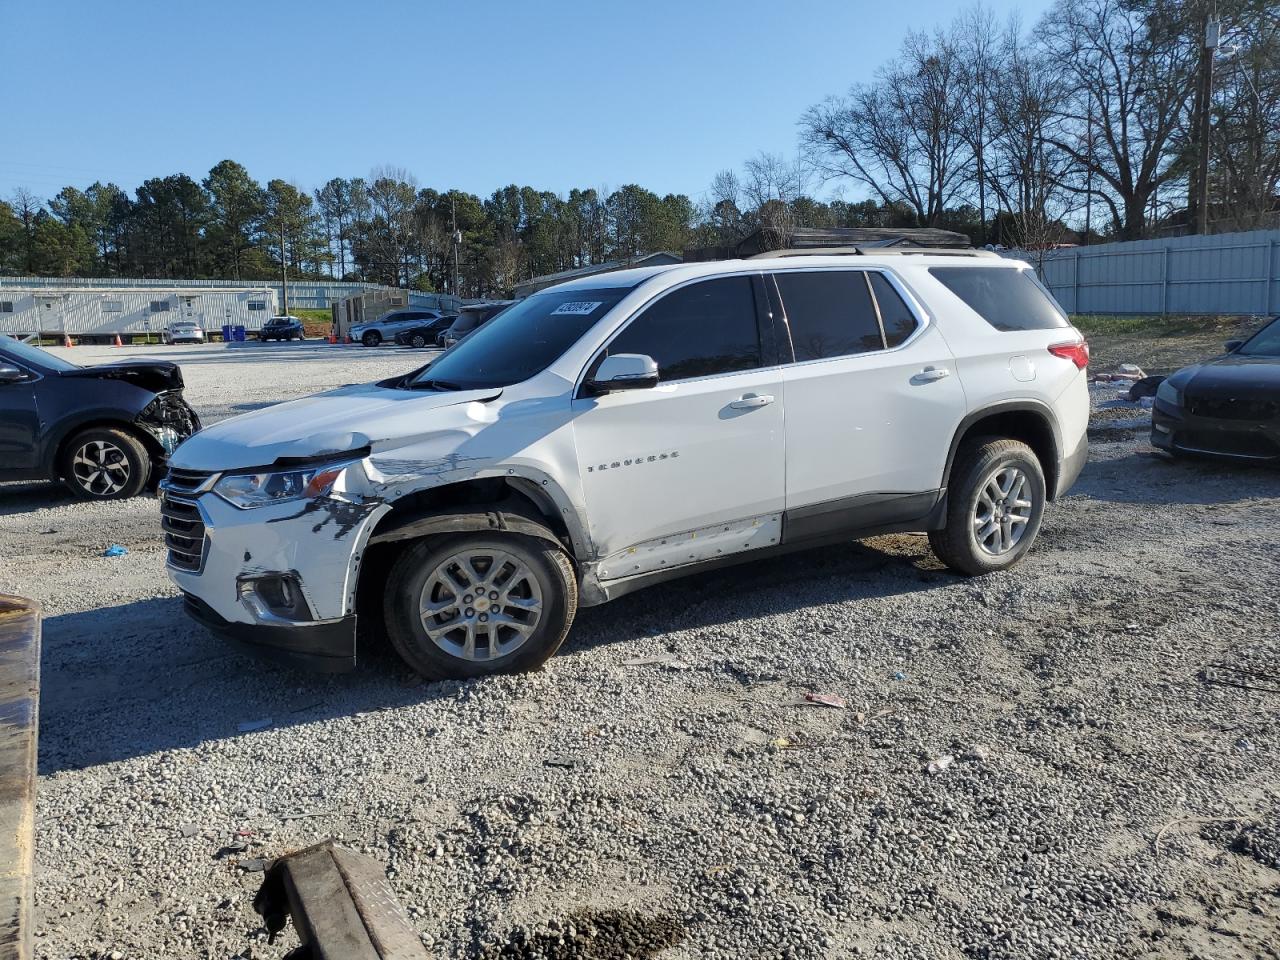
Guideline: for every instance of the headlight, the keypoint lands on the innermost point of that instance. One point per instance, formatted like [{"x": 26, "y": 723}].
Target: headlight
[
  {"x": 1169, "y": 393},
  {"x": 248, "y": 490}
]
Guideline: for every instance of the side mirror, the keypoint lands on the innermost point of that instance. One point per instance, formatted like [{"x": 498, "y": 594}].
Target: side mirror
[
  {"x": 624, "y": 371},
  {"x": 11, "y": 374},
  {"x": 1234, "y": 345}
]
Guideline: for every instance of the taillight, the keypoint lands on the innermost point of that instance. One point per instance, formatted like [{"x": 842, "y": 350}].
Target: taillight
[{"x": 1077, "y": 352}]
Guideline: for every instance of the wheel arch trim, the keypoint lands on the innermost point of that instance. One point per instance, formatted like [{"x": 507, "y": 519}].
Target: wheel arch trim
[{"x": 1025, "y": 405}]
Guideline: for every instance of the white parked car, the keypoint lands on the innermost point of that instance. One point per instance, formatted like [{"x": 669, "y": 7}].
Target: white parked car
[
  {"x": 183, "y": 331},
  {"x": 620, "y": 430}
]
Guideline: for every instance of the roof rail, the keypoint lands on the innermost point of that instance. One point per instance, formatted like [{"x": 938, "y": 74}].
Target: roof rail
[{"x": 871, "y": 250}]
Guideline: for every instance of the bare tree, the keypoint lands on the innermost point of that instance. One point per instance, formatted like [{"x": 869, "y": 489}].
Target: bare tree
[
  {"x": 1029, "y": 174},
  {"x": 1128, "y": 85},
  {"x": 771, "y": 186},
  {"x": 1244, "y": 144},
  {"x": 901, "y": 135},
  {"x": 975, "y": 40},
  {"x": 26, "y": 205}
]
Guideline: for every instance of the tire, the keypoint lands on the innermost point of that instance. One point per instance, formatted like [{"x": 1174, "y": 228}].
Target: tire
[
  {"x": 371, "y": 338},
  {"x": 537, "y": 573},
  {"x": 988, "y": 473},
  {"x": 418, "y": 340},
  {"x": 105, "y": 463}
]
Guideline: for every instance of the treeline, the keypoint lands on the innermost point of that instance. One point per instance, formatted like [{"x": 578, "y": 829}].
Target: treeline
[
  {"x": 383, "y": 228},
  {"x": 1085, "y": 126}
]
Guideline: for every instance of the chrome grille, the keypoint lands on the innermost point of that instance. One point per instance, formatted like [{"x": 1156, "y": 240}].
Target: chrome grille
[
  {"x": 183, "y": 531},
  {"x": 186, "y": 481},
  {"x": 1234, "y": 408}
]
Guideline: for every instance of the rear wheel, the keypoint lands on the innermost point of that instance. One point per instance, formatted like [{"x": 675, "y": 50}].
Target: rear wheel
[
  {"x": 476, "y": 604},
  {"x": 371, "y": 338},
  {"x": 995, "y": 502},
  {"x": 105, "y": 463}
]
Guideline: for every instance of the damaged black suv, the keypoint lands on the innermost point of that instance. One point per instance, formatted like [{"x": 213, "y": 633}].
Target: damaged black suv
[{"x": 104, "y": 431}]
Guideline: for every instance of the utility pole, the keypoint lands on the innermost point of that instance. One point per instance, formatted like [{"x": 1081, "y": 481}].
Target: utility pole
[
  {"x": 1204, "y": 98},
  {"x": 284, "y": 270},
  {"x": 456, "y": 237}
]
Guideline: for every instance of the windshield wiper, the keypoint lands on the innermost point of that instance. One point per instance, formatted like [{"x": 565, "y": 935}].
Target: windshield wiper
[{"x": 433, "y": 385}]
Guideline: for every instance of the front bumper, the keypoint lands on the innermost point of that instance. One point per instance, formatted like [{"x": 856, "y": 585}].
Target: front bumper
[
  {"x": 222, "y": 557},
  {"x": 323, "y": 647},
  {"x": 1177, "y": 431}
]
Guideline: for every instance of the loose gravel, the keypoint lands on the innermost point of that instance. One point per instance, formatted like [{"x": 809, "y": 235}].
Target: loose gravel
[{"x": 1113, "y": 787}]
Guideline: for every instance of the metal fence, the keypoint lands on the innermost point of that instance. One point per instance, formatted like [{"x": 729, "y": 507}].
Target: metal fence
[{"x": 1227, "y": 273}]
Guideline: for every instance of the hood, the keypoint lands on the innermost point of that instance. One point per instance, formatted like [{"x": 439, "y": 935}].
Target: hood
[
  {"x": 327, "y": 424},
  {"x": 1234, "y": 375},
  {"x": 154, "y": 375}
]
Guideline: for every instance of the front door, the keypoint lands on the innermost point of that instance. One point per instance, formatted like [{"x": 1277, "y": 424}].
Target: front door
[
  {"x": 19, "y": 426},
  {"x": 873, "y": 402},
  {"x": 693, "y": 468}
]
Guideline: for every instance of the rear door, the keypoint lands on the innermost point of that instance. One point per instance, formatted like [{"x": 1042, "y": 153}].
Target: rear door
[
  {"x": 872, "y": 401},
  {"x": 693, "y": 468}
]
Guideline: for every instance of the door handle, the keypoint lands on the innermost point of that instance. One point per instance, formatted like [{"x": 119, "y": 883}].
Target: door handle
[
  {"x": 930, "y": 374},
  {"x": 751, "y": 401}
]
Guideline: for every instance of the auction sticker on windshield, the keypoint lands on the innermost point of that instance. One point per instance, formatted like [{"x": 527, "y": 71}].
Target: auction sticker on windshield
[{"x": 578, "y": 308}]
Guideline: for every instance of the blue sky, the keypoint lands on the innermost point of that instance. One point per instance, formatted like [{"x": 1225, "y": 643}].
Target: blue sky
[{"x": 473, "y": 94}]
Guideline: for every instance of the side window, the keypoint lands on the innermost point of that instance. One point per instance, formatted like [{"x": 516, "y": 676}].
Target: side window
[
  {"x": 699, "y": 330},
  {"x": 899, "y": 322},
  {"x": 830, "y": 313}
]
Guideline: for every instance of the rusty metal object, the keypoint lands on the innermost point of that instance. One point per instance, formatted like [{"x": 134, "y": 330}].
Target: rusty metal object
[
  {"x": 19, "y": 711},
  {"x": 342, "y": 906}
]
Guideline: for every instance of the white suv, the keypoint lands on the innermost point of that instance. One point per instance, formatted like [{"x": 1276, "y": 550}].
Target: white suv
[{"x": 624, "y": 429}]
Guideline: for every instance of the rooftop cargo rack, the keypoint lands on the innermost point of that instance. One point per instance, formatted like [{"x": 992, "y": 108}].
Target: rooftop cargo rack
[{"x": 875, "y": 249}]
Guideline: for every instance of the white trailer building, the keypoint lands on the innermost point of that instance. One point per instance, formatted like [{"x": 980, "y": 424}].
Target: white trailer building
[{"x": 90, "y": 312}]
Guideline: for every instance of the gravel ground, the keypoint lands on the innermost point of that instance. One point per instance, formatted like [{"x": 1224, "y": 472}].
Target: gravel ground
[{"x": 1106, "y": 783}]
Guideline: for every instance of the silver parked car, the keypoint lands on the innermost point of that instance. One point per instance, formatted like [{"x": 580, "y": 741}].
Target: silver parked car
[{"x": 183, "y": 331}]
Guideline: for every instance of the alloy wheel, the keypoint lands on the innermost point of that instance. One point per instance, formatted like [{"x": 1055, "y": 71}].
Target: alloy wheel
[
  {"x": 1003, "y": 510},
  {"x": 101, "y": 468},
  {"x": 481, "y": 604}
]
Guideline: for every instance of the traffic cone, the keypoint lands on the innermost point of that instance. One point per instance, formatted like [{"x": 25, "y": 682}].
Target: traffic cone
[
  {"x": 66, "y": 340},
  {"x": 118, "y": 342}
]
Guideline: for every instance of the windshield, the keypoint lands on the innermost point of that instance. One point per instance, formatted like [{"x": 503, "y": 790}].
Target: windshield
[
  {"x": 24, "y": 353},
  {"x": 520, "y": 342},
  {"x": 1264, "y": 343}
]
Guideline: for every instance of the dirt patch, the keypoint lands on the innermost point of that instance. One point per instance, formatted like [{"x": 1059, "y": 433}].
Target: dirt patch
[
  {"x": 1160, "y": 345},
  {"x": 589, "y": 935}
]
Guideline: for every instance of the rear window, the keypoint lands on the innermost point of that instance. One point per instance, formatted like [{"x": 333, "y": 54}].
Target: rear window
[
  {"x": 830, "y": 313},
  {"x": 1007, "y": 299}
]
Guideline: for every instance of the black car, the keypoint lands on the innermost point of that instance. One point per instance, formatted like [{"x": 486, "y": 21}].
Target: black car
[
  {"x": 104, "y": 431},
  {"x": 282, "y": 328},
  {"x": 424, "y": 334},
  {"x": 1225, "y": 407}
]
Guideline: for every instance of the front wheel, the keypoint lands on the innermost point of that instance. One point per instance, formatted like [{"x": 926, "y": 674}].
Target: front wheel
[
  {"x": 475, "y": 604},
  {"x": 371, "y": 339},
  {"x": 418, "y": 341},
  {"x": 995, "y": 503},
  {"x": 105, "y": 463}
]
